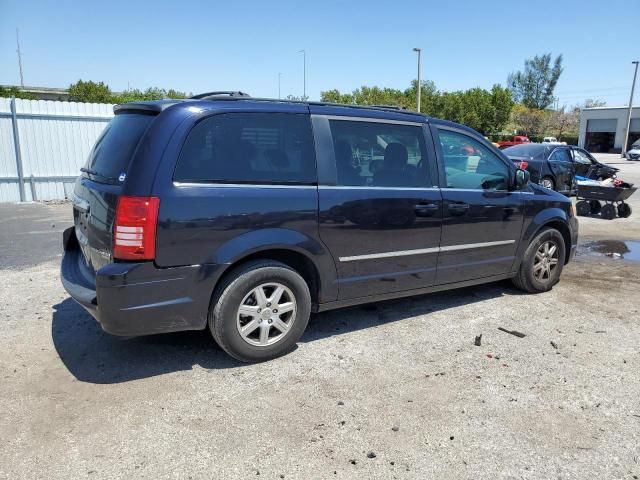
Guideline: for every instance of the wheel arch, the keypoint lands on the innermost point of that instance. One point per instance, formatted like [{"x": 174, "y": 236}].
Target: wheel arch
[
  {"x": 300, "y": 252},
  {"x": 549, "y": 218}
]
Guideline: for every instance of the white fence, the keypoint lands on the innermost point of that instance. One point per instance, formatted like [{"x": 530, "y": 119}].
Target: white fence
[{"x": 43, "y": 144}]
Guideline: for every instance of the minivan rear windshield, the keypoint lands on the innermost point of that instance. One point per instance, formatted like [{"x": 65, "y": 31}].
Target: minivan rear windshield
[{"x": 110, "y": 157}]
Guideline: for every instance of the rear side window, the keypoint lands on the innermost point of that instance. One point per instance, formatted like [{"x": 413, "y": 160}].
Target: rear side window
[
  {"x": 379, "y": 154},
  {"x": 110, "y": 157},
  {"x": 249, "y": 148},
  {"x": 560, "y": 155}
]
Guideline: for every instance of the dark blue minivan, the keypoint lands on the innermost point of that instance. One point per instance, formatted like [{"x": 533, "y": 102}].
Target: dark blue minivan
[{"x": 245, "y": 215}]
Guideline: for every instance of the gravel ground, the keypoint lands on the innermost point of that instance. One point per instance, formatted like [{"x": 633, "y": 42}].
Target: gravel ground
[{"x": 392, "y": 390}]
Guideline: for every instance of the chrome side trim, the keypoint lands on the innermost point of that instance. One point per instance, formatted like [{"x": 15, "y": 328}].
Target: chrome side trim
[
  {"x": 467, "y": 246},
  {"x": 239, "y": 185},
  {"x": 364, "y": 187},
  {"x": 399, "y": 253},
  {"x": 421, "y": 251}
]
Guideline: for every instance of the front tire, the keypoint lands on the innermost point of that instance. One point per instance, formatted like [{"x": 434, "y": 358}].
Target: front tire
[
  {"x": 260, "y": 311},
  {"x": 542, "y": 263}
]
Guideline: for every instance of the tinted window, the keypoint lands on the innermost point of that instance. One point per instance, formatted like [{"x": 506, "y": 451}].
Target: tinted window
[
  {"x": 470, "y": 164},
  {"x": 560, "y": 155},
  {"x": 249, "y": 147},
  {"x": 581, "y": 157},
  {"x": 530, "y": 150},
  {"x": 379, "y": 154},
  {"x": 111, "y": 155}
]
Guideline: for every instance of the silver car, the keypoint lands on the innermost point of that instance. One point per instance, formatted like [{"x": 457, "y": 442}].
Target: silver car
[{"x": 634, "y": 152}]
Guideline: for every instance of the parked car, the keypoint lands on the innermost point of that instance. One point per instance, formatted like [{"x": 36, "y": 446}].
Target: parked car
[
  {"x": 516, "y": 140},
  {"x": 634, "y": 152},
  {"x": 553, "y": 140},
  {"x": 549, "y": 165},
  {"x": 246, "y": 215},
  {"x": 586, "y": 165}
]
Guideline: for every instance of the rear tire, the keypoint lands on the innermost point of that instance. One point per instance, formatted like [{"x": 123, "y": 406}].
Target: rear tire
[
  {"x": 243, "y": 316},
  {"x": 547, "y": 182},
  {"x": 542, "y": 262}
]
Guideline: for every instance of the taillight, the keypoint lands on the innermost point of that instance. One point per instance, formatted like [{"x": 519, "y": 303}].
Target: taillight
[
  {"x": 522, "y": 165},
  {"x": 134, "y": 231}
]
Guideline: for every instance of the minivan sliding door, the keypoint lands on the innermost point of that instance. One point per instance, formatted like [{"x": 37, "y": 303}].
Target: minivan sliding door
[{"x": 380, "y": 214}]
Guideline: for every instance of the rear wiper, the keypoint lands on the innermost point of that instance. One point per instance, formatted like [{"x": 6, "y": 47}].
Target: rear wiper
[{"x": 111, "y": 180}]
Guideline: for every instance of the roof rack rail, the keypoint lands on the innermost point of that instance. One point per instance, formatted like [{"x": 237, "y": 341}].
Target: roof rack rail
[
  {"x": 238, "y": 96},
  {"x": 391, "y": 107},
  {"x": 222, "y": 93}
]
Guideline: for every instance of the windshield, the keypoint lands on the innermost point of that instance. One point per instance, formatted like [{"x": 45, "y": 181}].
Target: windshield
[{"x": 109, "y": 158}]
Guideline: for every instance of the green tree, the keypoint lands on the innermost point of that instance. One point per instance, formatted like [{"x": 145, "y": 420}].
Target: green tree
[
  {"x": 16, "y": 92},
  {"x": 534, "y": 86},
  {"x": 152, "y": 93},
  {"x": 563, "y": 121},
  {"x": 503, "y": 103},
  {"x": 428, "y": 96},
  {"x": 485, "y": 111},
  {"x": 90, "y": 92},
  {"x": 529, "y": 121}
]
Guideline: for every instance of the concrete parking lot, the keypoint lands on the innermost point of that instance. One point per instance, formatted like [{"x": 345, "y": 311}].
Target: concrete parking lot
[{"x": 390, "y": 390}]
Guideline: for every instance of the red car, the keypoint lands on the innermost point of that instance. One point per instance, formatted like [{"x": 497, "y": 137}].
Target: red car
[{"x": 516, "y": 140}]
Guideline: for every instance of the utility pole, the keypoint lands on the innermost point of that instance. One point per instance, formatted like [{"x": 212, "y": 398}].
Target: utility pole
[
  {"x": 19, "y": 58},
  {"x": 633, "y": 86},
  {"x": 279, "y": 77},
  {"x": 419, "y": 50},
  {"x": 304, "y": 74}
]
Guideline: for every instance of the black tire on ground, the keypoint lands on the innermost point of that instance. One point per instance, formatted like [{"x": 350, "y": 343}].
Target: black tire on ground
[
  {"x": 624, "y": 210},
  {"x": 549, "y": 180},
  {"x": 226, "y": 300},
  {"x": 583, "y": 208},
  {"x": 608, "y": 211},
  {"x": 525, "y": 278},
  {"x": 595, "y": 207}
]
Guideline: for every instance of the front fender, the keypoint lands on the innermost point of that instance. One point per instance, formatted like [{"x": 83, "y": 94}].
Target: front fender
[
  {"x": 263, "y": 240},
  {"x": 540, "y": 219}
]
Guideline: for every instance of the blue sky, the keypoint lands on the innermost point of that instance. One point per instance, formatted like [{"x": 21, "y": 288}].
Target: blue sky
[{"x": 204, "y": 46}]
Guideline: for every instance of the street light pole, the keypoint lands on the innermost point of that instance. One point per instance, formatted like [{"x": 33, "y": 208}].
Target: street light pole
[
  {"x": 19, "y": 58},
  {"x": 633, "y": 86},
  {"x": 279, "y": 77},
  {"x": 304, "y": 74},
  {"x": 419, "y": 50}
]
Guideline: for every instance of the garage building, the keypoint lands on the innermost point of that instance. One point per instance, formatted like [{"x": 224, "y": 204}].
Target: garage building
[{"x": 602, "y": 129}]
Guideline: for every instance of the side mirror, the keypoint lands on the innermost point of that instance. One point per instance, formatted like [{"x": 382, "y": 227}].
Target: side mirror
[{"x": 522, "y": 179}]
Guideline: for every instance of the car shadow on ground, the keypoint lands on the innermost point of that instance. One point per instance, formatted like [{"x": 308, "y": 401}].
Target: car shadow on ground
[{"x": 94, "y": 356}]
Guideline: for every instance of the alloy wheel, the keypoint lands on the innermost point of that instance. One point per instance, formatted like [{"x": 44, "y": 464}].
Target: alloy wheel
[
  {"x": 545, "y": 261},
  {"x": 266, "y": 314},
  {"x": 547, "y": 183}
]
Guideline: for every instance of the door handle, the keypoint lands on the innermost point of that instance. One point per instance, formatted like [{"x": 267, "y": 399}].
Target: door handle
[
  {"x": 425, "y": 209},
  {"x": 458, "y": 208}
]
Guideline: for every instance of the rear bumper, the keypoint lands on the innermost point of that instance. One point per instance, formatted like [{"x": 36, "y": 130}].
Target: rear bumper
[{"x": 138, "y": 298}]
